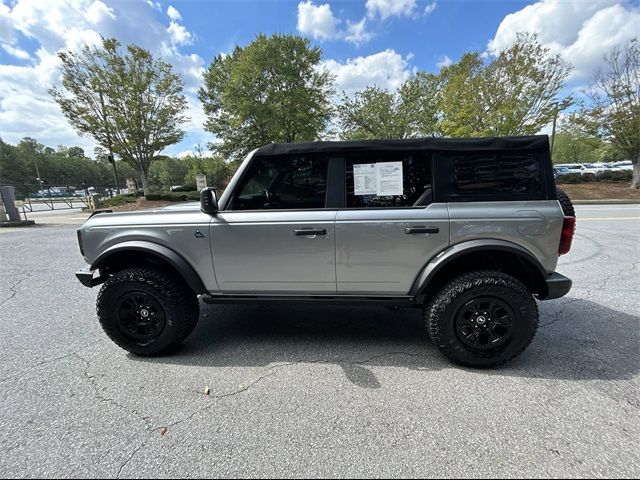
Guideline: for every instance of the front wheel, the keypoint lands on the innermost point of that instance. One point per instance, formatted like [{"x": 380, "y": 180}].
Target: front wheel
[
  {"x": 482, "y": 319},
  {"x": 146, "y": 311}
]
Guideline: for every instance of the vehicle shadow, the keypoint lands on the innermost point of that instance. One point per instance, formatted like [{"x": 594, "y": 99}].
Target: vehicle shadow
[{"x": 577, "y": 340}]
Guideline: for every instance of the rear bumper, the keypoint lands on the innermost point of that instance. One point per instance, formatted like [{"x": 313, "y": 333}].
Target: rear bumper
[
  {"x": 557, "y": 286},
  {"x": 87, "y": 277}
]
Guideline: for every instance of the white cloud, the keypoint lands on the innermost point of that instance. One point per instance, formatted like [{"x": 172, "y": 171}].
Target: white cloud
[
  {"x": 179, "y": 34},
  {"x": 386, "y": 69},
  {"x": 97, "y": 12},
  {"x": 390, "y": 8},
  {"x": 357, "y": 32},
  {"x": 430, "y": 7},
  {"x": 26, "y": 108},
  {"x": 173, "y": 13},
  {"x": 444, "y": 62},
  {"x": 583, "y": 32},
  {"x": 317, "y": 20},
  {"x": 16, "y": 52}
]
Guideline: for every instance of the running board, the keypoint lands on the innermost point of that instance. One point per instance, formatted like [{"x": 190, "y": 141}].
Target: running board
[{"x": 401, "y": 301}]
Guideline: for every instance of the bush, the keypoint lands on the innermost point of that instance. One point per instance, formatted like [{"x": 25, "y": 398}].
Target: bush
[
  {"x": 185, "y": 188},
  {"x": 616, "y": 176},
  {"x": 574, "y": 178},
  {"x": 117, "y": 201},
  {"x": 174, "y": 196}
]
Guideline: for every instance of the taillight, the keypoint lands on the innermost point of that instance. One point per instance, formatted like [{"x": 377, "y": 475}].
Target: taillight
[{"x": 568, "y": 229}]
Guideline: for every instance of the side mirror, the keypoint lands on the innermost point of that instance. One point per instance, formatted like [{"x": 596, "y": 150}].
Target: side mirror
[{"x": 208, "y": 200}]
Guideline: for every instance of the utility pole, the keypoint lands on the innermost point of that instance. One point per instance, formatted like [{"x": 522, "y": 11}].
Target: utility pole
[
  {"x": 111, "y": 159},
  {"x": 39, "y": 178},
  {"x": 553, "y": 129}
]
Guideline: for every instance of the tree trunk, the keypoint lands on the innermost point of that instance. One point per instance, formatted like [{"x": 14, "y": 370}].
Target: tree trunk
[
  {"x": 145, "y": 183},
  {"x": 635, "y": 183}
]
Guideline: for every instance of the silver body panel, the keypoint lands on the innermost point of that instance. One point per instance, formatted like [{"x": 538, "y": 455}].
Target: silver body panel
[
  {"x": 364, "y": 251},
  {"x": 259, "y": 251},
  {"x": 533, "y": 225},
  {"x": 375, "y": 255}
]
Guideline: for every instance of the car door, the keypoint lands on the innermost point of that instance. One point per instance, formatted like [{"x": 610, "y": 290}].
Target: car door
[
  {"x": 277, "y": 233},
  {"x": 390, "y": 226}
]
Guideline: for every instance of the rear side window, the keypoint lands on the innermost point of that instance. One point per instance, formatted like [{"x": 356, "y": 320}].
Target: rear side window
[
  {"x": 388, "y": 179},
  {"x": 497, "y": 174}
]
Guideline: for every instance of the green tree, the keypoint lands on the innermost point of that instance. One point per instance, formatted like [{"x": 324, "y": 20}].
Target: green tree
[
  {"x": 573, "y": 144},
  {"x": 128, "y": 100},
  {"x": 614, "y": 113},
  {"x": 377, "y": 113},
  {"x": 515, "y": 93},
  {"x": 272, "y": 90}
]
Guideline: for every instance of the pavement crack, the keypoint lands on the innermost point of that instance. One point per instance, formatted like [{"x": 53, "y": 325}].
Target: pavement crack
[
  {"x": 556, "y": 315},
  {"x": 104, "y": 399},
  {"x": 13, "y": 289},
  {"x": 49, "y": 362}
]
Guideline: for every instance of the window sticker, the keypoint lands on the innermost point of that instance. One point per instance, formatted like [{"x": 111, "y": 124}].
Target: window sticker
[
  {"x": 364, "y": 179},
  {"x": 389, "y": 178}
]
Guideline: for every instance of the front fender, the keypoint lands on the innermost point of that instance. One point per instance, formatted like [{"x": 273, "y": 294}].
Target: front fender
[{"x": 159, "y": 251}]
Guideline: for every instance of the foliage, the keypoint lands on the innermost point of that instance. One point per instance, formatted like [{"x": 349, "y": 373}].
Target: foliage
[
  {"x": 272, "y": 90},
  {"x": 573, "y": 144},
  {"x": 515, "y": 93},
  {"x": 117, "y": 201},
  {"x": 614, "y": 113},
  {"x": 130, "y": 100},
  {"x": 174, "y": 197},
  {"x": 378, "y": 113},
  {"x": 607, "y": 176},
  {"x": 62, "y": 167}
]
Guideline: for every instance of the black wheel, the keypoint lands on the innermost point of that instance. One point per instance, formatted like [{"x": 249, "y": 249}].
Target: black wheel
[
  {"x": 147, "y": 312},
  {"x": 565, "y": 203},
  {"x": 482, "y": 319}
]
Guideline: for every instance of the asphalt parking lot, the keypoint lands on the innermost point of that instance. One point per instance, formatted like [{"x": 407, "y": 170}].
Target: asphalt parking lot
[{"x": 335, "y": 392}]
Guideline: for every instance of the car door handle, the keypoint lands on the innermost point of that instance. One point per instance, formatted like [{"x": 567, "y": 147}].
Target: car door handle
[
  {"x": 311, "y": 231},
  {"x": 421, "y": 229}
]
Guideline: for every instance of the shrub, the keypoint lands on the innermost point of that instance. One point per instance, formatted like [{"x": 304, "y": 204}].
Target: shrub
[
  {"x": 174, "y": 196},
  {"x": 117, "y": 201},
  {"x": 616, "y": 176}
]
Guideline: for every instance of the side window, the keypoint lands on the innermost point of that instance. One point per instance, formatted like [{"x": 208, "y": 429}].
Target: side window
[
  {"x": 283, "y": 182},
  {"x": 491, "y": 174},
  {"x": 388, "y": 179}
]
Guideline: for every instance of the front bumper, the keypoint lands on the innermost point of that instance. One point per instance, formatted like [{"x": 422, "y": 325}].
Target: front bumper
[
  {"x": 557, "y": 286},
  {"x": 88, "y": 277}
]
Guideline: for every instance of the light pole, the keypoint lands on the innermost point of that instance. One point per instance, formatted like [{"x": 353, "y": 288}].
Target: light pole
[{"x": 111, "y": 159}]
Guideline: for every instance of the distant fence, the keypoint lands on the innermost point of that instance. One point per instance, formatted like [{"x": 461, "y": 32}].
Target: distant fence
[{"x": 37, "y": 197}]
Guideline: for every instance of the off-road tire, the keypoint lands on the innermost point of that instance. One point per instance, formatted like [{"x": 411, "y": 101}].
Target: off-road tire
[
  {"x": 179, "y": 305},
  {"x": 441, "y": 312},
  {"x": 565, "y": 203}
]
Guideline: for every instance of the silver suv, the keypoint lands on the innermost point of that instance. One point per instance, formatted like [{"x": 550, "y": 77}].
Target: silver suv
[{"x": 470, "y": 230}]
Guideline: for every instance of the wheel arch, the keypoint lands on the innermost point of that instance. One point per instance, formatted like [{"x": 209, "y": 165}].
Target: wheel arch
[
  {"x": 484, "y": 254},
  {"x": 142, "y": 253}
]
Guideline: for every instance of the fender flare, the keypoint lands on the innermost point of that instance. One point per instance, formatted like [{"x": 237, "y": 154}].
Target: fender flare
[
  {"x": 438, "y": 262},
  {"x": 159, "y": 251}
]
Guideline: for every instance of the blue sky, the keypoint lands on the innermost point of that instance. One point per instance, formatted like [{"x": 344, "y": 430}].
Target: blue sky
[{"x": 364, "y": 42}]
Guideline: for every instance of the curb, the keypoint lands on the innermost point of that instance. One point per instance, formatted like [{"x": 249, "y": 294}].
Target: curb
[
  {"x": 608, "y": 201},
  {"x": 19, "y": 223}
]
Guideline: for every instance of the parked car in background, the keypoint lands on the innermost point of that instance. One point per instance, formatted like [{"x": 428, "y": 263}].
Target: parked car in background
[
  {"x": 623, "y": 165},
  {"x": 592, "y": 169},
  {"x": 559, "y": 171}
]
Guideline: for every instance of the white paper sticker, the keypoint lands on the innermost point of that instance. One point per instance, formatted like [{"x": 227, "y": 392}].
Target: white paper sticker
[
  {"x": 389, "y": 178},
  {"x": 364, "y": 179}
]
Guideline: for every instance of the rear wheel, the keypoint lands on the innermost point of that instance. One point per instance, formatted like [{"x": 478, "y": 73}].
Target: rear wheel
[
  {"x": 482, "y": 319},
  {"x": 146, "y": 311}
]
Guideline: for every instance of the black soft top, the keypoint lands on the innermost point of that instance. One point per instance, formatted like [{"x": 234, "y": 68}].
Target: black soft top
[{"x": 531, "y": 142}]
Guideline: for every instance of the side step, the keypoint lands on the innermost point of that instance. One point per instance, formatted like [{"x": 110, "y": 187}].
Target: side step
[{"x": 402, "y": 301}]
